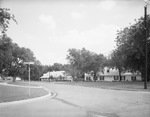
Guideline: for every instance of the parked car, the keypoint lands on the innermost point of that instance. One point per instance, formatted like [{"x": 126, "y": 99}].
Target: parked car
[{"x": 68, "y": 78}]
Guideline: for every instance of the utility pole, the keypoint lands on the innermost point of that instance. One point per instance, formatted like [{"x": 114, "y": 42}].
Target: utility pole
[
  {"x": 49, "y": 72},
  {"x": 146, "y": 62}
]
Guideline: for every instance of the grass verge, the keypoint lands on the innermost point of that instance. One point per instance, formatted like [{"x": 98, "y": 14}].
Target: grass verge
[
  {"x": 132, "y": 86},
  {"x": 11, "y": 93},
  {"x": 21, "y": 83}
]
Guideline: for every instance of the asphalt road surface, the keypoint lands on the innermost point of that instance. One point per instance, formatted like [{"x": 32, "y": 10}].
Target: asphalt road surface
[{"x": 76, "y": 101}]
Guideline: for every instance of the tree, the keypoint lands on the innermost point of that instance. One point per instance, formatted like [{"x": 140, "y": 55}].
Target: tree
[
  {"x": 75, "y": 60},
  {"x": 12, "y": 57},
  {"x": 117, "y": 61},
  {"x": 5, "y": 52},
  {"x": 131, "y": 42},
  {"x": 56, "y": 67},
  {"x": 97, "y": 64},
  {"x": 70, "y": 70},
  {"x": 19, "y": 56},
  {"x": 36, "y": 72},
  {"x": 83, "y": 61},
  {"x": 5, "y": 17}
]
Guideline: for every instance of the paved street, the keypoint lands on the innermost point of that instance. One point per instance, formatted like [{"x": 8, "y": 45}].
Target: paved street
[{"x": 75, "y": 101}]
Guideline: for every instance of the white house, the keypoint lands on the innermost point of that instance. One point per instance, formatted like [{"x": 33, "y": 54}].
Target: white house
[
  {"x": 88, "y": 77},
  {"x": 18, "y": 78},
  {"x": 113, "y": 75},
  {"x": 1, "y": 78},
  {"x": 132, "y": 76},
  {"x": 55, "y": 75}
]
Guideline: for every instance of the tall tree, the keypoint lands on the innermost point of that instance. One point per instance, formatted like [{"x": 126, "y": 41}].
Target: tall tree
[
  {"x": 97, "y": 64},
  {"x": 84, "y": 61},
  {"x": 75, "y": 60},
  {"x": 5, "y": 52},
  {"x": 117, "y": 61},
  {"x": 12, "y": 57},
  {"x": 19, "y": 56},
  {"x": 131, "y": 43}
]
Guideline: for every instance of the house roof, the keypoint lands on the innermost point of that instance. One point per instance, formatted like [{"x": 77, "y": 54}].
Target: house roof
[
  {"x": 54, "y": 74},
  {"x": 114, "y": 72},
  {"x": 111, "y": 72}
]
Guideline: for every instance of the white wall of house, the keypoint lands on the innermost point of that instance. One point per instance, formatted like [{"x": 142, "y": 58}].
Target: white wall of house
[
  {"x": 108, "y": 78},
  {"x": 88, "y": 77},
  {"x": 57, "y": 75},
  {"x": 109, "y": 75},
  {"x": 128, "y": 78},
  {"x": 44, "y": 79},
  {"x": 68, "y": 78},
  {"x": 138, "y": 78}
]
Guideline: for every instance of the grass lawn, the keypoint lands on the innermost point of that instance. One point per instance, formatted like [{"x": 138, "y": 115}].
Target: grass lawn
[
  {"x": 11, "y": 93},
  {"x": 20, "y": 83},
  {"x": 135, "y": 86}
]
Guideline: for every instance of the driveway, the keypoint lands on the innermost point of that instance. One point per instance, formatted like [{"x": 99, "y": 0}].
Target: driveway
[{"x": 76, "y": 101}]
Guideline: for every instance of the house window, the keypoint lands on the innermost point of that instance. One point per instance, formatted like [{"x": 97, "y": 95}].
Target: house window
[
  {"x": 116, "y": 77},
  {"x": 133, "y": 78},
  {"x": 101, "y": 77},
  {"x": 123, "y": 78}
]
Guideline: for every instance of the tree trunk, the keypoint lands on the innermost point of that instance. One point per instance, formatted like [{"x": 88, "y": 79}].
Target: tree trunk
[
  {"x": 143, "y": 74},
  {"x": 73, "y": 74},
  {"x": 120, "y": 78},
  {"x": 49, "y": 76},
  {"x": 95, "y": 78},
  {"x": 14, "y": 79}
]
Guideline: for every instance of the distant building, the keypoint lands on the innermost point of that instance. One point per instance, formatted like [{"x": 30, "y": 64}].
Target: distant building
[
  {"x": 1, "y": 78},
  {"x": 56, "y": 76},
  {"x": 18, "y": 79},
  {"x": 113, "y": 75},
  {"x": 88, "y": 77}
]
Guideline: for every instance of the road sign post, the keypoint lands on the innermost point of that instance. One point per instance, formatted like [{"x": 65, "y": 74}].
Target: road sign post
[{"x": 29, "y": 63}]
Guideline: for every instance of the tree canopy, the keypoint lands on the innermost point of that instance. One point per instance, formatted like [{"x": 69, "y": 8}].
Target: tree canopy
[
  {"x": 131, "y": 46},
  {"x": 12, "y": 57},
  {"x": 84, "y": 61}
]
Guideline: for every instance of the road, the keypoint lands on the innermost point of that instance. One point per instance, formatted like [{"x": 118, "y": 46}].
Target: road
[{"x": 76, "y": 101}]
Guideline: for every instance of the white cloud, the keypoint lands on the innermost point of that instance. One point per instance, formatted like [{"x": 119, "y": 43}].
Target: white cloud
[
  {"x": 76, "y": 15},
  {"x": 107, "y": 4},
  {"x": 99, "y": 39},
  {"x": 54, "y": 48},
  {"x": 48, "y": 20},
  {"x": 81, "y": 5}
]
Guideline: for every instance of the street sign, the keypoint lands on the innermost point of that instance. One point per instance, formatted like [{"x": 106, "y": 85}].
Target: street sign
[{"x": 29, "y": 63}]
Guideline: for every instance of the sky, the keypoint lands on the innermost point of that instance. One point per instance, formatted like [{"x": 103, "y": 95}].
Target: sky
[{"x": 50, "y": 27}]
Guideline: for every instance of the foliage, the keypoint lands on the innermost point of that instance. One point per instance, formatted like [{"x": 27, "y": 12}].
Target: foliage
[
  {"x": 5, "y": 17},
  {"x": 131, "y": 46},
  {"x": 5, "y": 52},
  {"x": 57, "y": 67},
  {"x": 12, "y": 57},
  {"x": 117, "y": 61},
  {"x": 83, "y": 61}
]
